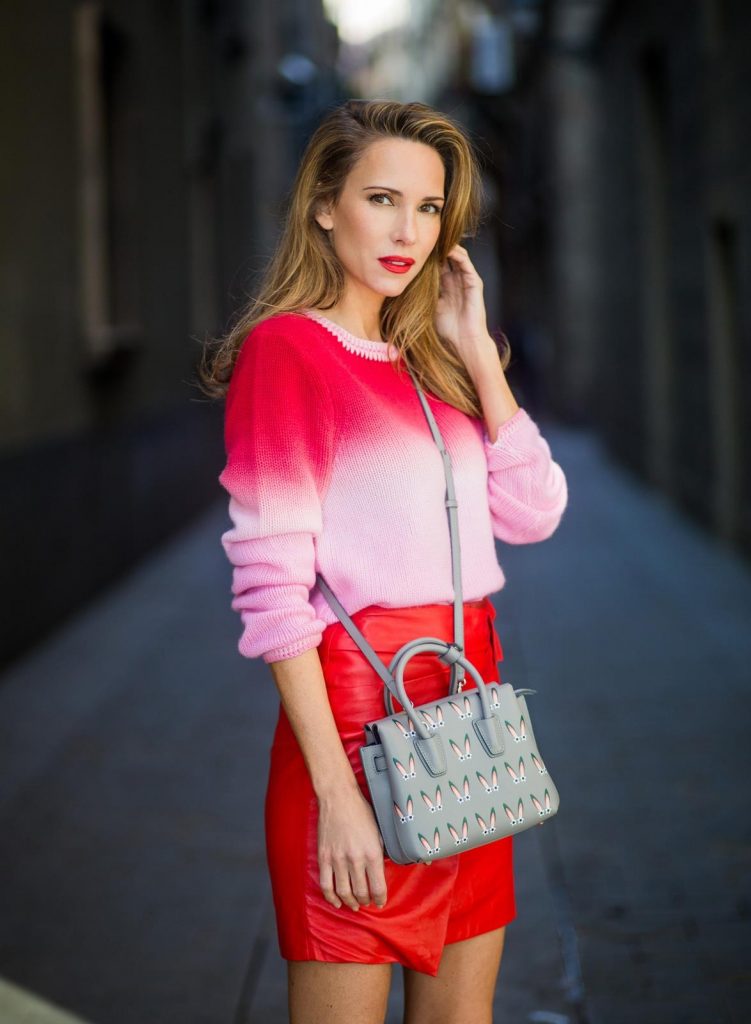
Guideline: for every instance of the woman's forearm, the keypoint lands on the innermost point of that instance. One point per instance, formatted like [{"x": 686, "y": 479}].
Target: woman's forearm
[
  {"x": 302, "y": 689},
  {"x": 497, "y": 400}
]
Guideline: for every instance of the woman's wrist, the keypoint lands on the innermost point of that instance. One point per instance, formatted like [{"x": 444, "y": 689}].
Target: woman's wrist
[{"x": 334, "y": 783}]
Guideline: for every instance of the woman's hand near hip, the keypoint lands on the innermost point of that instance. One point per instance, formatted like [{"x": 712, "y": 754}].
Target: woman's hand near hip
[{"x": 350, "y": 850}]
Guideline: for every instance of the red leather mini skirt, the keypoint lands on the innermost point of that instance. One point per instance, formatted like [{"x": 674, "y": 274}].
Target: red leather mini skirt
[{"x": 427, "y": 905}]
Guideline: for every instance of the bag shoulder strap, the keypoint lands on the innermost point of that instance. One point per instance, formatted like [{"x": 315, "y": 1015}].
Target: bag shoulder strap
[{"x": 353, "y": 631}]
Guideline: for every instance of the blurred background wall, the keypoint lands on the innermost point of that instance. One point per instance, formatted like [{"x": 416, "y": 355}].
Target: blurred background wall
[
  {"x": 148, "y": 147},
  {"x": 672, "y": 215}
]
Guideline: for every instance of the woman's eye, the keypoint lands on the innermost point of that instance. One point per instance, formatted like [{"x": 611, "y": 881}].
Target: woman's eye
[{"x": 384, "y": 195}]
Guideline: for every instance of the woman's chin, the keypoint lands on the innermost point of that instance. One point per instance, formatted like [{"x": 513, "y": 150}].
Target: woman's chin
[{"x": 390, "y": 289}]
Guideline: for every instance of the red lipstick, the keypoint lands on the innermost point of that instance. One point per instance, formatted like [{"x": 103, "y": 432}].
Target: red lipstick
[{"x": 396, "y": 264}]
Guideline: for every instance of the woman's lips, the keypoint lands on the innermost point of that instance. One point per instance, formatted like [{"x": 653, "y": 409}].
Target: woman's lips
[{"x": 395, "y": 267}]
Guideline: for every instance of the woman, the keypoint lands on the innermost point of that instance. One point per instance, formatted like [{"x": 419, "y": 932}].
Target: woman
[{"x": 331, "y": 468}]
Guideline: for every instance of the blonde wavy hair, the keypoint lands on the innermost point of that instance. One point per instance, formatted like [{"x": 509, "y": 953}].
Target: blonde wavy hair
[{"x": 304, "y": 270}]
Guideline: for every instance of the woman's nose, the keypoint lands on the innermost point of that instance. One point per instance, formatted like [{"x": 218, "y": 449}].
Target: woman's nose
[{"x": 406, "y": 228}]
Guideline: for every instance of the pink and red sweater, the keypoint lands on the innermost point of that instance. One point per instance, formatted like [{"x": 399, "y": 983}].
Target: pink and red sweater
[{"x": 332, "y": 468}]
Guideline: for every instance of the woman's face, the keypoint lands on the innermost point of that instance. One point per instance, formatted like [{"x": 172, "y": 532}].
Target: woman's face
[{"x": 390, "y": 206}]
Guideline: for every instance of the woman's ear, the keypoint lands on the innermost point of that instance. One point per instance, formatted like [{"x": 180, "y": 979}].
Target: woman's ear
[{"x": 323, "y": 218}]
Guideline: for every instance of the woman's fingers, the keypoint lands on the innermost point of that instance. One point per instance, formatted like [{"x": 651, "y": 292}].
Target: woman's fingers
[
  {"x": 326, "y": 881},
  {"x": 356, "y": 883},
  {"x": 343, "y": 888},
  {"x": 369, "y": 880},
  {"x": 359, "y": 883},
  {"x": 377, "y": 880}
]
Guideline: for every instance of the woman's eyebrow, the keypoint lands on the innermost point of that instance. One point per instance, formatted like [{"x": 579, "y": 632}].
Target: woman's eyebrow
[{"x": 398, "y": 193}]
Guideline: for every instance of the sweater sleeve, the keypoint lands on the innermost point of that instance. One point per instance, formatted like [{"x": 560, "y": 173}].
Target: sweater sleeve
[
  {"x": 527, "y": 490},
  {"x": 279, "y": 433}
]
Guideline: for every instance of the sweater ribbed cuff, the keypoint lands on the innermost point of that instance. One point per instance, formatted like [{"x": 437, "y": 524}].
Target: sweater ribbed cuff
[
  {"x": 521, "y": 427},
  {"x": 292, "y": 650}
]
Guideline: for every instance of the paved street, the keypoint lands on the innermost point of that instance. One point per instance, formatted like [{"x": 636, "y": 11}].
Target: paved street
[{"x": 133, "y": 760}]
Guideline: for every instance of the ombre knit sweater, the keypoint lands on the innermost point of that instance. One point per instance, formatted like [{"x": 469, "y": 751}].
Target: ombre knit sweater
[{"x": 332, "y": 468}]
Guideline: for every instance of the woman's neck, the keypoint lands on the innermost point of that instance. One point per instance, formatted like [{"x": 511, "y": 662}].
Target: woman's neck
[{"x": 352, "y": 322}]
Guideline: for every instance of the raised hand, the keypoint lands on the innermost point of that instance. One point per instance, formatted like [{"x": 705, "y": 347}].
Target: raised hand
[{"x": 460, "y": 315}]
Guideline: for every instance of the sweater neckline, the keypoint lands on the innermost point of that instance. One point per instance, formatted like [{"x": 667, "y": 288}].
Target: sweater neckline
[{"x": 382, "y": 351}]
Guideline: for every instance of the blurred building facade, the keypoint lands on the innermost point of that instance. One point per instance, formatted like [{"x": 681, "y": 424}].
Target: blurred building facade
[
  {"x": 147, "y": 146},
  {"x": 620, "y": 158},
  {"x": 674, "y": 231}
]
